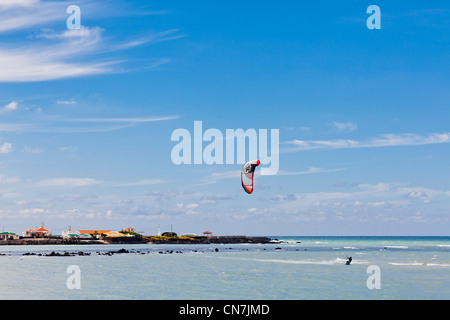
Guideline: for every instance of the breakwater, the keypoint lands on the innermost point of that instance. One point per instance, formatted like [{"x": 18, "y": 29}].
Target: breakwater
[
  {"x": 140, "y": 240},
  {"x": 49, "y": 241},
  {"x": 207, "y": 240}
]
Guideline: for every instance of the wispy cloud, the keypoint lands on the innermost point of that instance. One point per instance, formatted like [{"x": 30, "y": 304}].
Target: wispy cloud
[
  {"x": 344, "y": 126},
  {"x": 141, "y": 183},
  {"x": 127, "y": 120},
  {"x": 83, "y": 125},
  {"x": 24, "y": 14},
  {"x": 6, "y": 4},
  {"x": 42, "y": 61},
  {"x": 311, "y": 170},
  {"x": 52, "y": 55},
  {"x": 84, "y": 182},
  {"x": 66, "y": 102},
  {"x": 27, "y": 149},
  {"x": 385, "y": 140},
  {"x": 153, "y": 38},
  {"x": 236, "y": 174},
  {"x": 67, "y": 182}
]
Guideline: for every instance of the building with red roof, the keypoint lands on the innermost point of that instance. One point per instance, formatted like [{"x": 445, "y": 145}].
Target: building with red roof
[{"x": 37, "y": 233}]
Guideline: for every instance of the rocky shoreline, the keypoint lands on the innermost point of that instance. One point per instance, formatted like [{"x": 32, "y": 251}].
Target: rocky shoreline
[
  {"x": 140, "y": 240},
  {"x": 209, "y": 240},
  {"x": 45, "y": 241}
]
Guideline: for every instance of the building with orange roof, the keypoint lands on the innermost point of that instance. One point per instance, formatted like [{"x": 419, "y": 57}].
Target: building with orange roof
[{"x": 37, "y": 233}]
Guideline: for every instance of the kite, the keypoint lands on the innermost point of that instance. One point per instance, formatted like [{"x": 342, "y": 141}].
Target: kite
[{"x": 247, "y": 173}]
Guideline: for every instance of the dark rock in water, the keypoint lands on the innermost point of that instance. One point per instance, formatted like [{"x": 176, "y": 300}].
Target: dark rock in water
[
  {"x": 57, "y": 254},
  {"x": 216, "y": 250}
]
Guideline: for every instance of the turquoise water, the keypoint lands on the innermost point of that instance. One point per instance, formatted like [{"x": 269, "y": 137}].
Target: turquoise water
[{"x": 297, "y": 268}]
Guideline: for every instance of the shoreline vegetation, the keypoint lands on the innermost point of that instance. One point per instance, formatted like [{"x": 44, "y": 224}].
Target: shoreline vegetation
[{"x": 173, "y": 239}]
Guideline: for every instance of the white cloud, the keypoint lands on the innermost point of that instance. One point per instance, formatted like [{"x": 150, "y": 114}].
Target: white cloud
[
  {"x": 236, "y": 174},
  {"x": 344, "y": 127},
  {"x": 67, "y": 182},
  {"x": 41, "y": 64},
  {"x": 376, "y": 203},
  {"x": 416, "y": 194},
  {"x": 52, "y": 55},
  {"x": 154, "y": 38},
  {"x": 384, "y": 140},
  {"x": 7, "y": 4},
  {"x": 43, "y": 61},
  {"x": 367, "y": 201},
  {"x": 6, "y": 147},
  {"x": 31, "y": 150},
  {"x": 32, "y": 211},
  {"x": 56, "y": 124},
  {"x": 11, "y": 106},
  {"x": 66, "y": 102},
  {"x": 421, "y": 192},
  {"x": 142, "y": 183},
  {"x": 24, "y": 14},
  {"x": 12, "y": 180},
  {"x": 129, "y": 120},
  {"x": 309, "y": 171}
]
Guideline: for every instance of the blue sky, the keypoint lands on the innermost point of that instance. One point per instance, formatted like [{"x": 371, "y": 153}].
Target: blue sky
[{"x": 87, "y": 115}]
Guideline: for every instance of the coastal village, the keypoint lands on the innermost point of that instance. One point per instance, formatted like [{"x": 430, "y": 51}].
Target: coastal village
[{"x": 42, "y": 235}]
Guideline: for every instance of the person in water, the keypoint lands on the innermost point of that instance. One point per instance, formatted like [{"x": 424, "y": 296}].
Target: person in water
[{"x": 349, "y": 260}]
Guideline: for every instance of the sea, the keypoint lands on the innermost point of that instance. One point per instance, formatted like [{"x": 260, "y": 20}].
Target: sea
[{"x": 290, "y": 268}]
